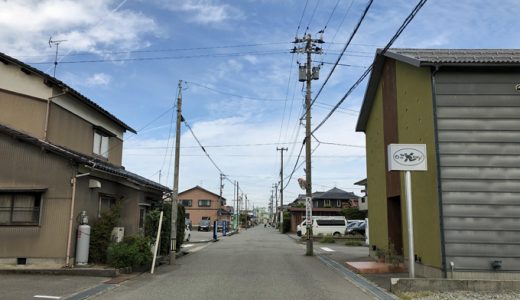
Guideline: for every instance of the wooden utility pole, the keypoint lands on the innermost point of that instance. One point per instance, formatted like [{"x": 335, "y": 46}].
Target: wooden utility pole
[
  {"x": 222, "y": 176},
  {"x": 281, "y": 185},
  {"x": 310, "y": 73},
  {"x": 175, "y": 194},
  {"x": 275, "y": 187}
]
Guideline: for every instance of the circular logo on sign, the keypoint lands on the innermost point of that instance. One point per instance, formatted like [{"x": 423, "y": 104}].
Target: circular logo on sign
[{"x": 409, "y": 157}]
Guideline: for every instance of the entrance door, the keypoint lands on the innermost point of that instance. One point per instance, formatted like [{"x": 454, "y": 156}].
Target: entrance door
[{"x": 395, "y": 228}]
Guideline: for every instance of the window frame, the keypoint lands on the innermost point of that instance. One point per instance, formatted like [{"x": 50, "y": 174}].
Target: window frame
[
  {"x": 99, "y": 150},
  {"x": 327, "y": 204},
  {"x": 102, "y": 197},
  {"x": 36, "y": 208},
  {"x": 199, "y": 202},
  {"x": 190, "y": 201}
]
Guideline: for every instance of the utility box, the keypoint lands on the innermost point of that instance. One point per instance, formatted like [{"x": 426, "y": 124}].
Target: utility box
[
  {"x": 118, "y": 233},
  {"x": 302, "y": 73}
]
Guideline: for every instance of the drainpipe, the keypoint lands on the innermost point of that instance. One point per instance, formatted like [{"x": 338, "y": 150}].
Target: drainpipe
[
  {"x": 71, "y": 219},
  {"x": 439, "y": 188},
  {"x": 49, "y": 100}
]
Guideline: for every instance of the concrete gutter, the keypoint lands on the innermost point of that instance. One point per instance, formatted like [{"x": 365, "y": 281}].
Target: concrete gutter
[
  {"x": 400, "y": 285},
  {"x": 95, "y": 272}
]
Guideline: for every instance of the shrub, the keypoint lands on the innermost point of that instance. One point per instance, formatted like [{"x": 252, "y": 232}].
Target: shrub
[
  {"x": 181, "y": 215},
  {"x": 152, "y": 224},
  {"x": 354, "y": 213},
  {"x": 131, "y": 252},
  {"x": 353, "y": 243},
  {"x": 100, "y": 236},
  {"x": 327, "y": 239}
]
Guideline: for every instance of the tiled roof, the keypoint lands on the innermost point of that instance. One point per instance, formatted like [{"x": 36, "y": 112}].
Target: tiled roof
[
  {"x": 456, "y": 56},
  {"x": 6, "y": 59},
  {"x": 84, "y": 159},
  {"x": 336, "y": 194}
]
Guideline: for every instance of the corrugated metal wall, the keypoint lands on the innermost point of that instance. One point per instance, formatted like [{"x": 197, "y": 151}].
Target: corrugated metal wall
[{"x": 478, "y": 120}]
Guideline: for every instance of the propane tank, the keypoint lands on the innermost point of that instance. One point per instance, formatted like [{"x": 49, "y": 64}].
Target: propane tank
[{"x": 83, "y": 240}]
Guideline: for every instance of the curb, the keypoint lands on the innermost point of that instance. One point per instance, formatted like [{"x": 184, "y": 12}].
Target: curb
[{"x": 72, "y": 272}]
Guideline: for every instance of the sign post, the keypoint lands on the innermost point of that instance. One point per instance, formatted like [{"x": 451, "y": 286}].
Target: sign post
[
  {"x": 308, "y": 216},
  {"x": 408, "y": 157}
]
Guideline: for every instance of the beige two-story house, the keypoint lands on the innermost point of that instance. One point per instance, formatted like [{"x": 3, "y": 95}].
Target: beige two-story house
[
  {"x": 60, "y": 154},
  {"x": 201, "y": 204}
]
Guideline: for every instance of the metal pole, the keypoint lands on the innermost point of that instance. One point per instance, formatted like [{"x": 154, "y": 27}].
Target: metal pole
[
  {"x": 411, "y": 251},
  {"x": 175, "y": 194},
  {"x": 157, "y": 241},
  {"x": 308, "y": 178},
  {"x": 281, "y": 185}
]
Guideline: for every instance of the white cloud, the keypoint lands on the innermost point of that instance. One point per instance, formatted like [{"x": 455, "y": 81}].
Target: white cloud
[
  {"x": 98, "y": 79},
  {"x": 91, "y": 26},
  {"x": 205, "y": 11}
]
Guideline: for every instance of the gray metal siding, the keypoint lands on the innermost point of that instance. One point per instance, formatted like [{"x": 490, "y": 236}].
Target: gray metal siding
[{"x": 478, "y": 121}]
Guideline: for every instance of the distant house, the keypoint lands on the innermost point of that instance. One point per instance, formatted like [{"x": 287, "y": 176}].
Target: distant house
[
  {"x": 464, "y": 104},
  {"x": 201, "y": 204},
  {"x": 329, "y": 203},
  {"x": 61, "y": 155}
]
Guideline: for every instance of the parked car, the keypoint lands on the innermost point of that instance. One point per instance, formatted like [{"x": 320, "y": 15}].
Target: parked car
[
  {"x": 351, "y": 224},
  {"x": 326, "y": 225},
  {"x": 187, "y": 233},
  {"x": 204, "y": 225},
  {"x": 357, "y": 227}
]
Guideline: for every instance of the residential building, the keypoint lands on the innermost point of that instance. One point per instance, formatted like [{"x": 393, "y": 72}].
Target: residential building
[
  {"x": 61, "y": 155},
  {"x": 201, "y": 204},
  {"x": 464, "y": 105},
  {"x": 329, "y": 203}
]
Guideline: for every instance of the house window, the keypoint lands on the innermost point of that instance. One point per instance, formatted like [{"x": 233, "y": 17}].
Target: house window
[
  {"x": 326, "y": 203},
  {"x": 105, "y": 204},
  {"x": 101, "y": 144},
  {"x": 315, "y": 204},
  {"x": 204, "y": 203},
  {"x": 20, "y": 208},
  {"x": 338, "y": 203},
  {"x": 186, "y": 202},
  {"x": 142, "y": 216}
]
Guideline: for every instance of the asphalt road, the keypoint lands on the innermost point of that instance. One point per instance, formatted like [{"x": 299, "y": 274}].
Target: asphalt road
[{"x": 258, "y": 263}]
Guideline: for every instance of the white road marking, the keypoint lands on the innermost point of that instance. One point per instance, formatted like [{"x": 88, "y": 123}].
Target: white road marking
[
  {"x": 187, "y": 245},
  {"x": 326, "y": 249},
  {"x": 46, "y": 297}
]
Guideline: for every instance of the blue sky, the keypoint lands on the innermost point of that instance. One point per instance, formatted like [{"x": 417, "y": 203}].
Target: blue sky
[{"x": 241, "y": 88}]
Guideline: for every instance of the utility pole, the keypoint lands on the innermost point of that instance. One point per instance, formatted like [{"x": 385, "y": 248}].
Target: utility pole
[
  {"x": 271, "y": 207},
  {"x": 308, "y": 73},
  {"x": 247, "y": 225},
  {"x": 275, "y": 187},
  {"x": 281, "y": 185},
  {"x": 238, "y": 207},
  {"x": 222, "y": 176},
  {"x": 175, "y": 194}
]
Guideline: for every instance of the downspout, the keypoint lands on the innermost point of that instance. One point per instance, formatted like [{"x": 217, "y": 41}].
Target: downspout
[
  {"x": 73, "y": 181},
  {"x": 47, "y": 113},
  {"x": 439, "y": 188}
]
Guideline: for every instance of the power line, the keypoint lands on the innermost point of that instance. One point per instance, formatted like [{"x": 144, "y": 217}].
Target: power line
[
  {"x": 234, "y": 95},
  {"x": 405, "y": 23},
  {"x": 356, "y": 28},
  {"x": 331, "y": 14},
  {"x": 218, "y": 55},
  {"x": 301, "y": 18},
  {"x": 202, "y": 147}
]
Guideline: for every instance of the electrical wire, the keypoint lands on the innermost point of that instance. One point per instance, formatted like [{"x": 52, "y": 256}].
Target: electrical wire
[
  {"x": 234, "y": 95},
  {"x": 217, "y": 55},
  {"x": 356, "y": 28},
  {"x": 331, "y": 14},
  {"x": 405, "y": 23}
]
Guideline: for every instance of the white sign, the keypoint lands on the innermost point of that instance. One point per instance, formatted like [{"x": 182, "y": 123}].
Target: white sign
[
  {"x": 407, "y": 157},
  {"x": 308, "y": 210}
]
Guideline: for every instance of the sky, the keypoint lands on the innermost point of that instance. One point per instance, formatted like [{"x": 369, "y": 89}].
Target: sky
[{"x": 240, "y": 90}]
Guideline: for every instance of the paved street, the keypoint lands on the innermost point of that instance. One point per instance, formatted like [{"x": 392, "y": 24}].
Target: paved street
[{"x": 258, "y": 263}]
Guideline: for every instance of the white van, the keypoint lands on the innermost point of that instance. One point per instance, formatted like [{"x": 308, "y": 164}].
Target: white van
[{"x": 325, "y": 225}]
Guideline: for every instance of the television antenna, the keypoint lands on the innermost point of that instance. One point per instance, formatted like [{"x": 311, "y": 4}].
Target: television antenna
[{"x": 57, "y": 44}]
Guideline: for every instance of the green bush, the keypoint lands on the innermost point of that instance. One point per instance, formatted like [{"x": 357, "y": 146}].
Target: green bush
[
  {"x": 353, "y": 243},
  {"x": 131, "y": 252},
  {"x": 100, "y": 236},
  {"x": 327, "y": 240},
  {"x": 152, "y": 223},
  {"x": 181, "y": 215},
  {"x": 353, "y": 213}
]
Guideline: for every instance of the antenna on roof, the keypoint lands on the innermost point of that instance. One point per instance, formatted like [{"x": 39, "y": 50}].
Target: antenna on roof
[{"x": 57, "y": 44}]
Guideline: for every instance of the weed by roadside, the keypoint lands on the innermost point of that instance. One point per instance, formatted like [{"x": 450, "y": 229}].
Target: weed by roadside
[
  {"x": 353, "y": 243},
  {"x": 413, "y": 295},
  {"x": 327, "y": 240}
]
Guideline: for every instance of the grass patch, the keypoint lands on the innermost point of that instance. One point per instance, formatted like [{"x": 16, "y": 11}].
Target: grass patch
[
  {"x": 327, "y": 240},
  {"x": 354, "y": 243}
]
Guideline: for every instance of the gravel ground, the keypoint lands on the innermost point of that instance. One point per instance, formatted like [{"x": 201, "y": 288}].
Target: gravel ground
[{"x": 462, "y": 295}]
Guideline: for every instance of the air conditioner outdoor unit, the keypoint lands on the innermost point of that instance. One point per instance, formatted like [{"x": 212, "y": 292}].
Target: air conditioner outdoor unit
[{"x": 118, "y": 233}]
